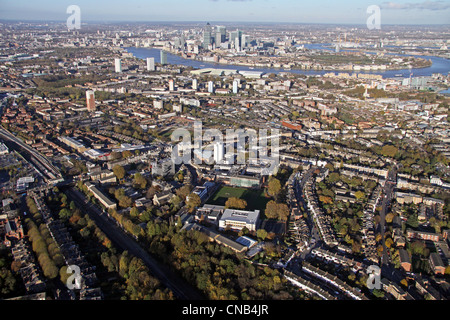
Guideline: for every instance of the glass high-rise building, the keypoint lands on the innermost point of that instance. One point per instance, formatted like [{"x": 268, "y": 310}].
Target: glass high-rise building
[
  {"x": 235, "y": 34},
  {"x": 207, "y": 36},
  {"x": 223, "y": 33},
  {"x": 163, "y": 57}
]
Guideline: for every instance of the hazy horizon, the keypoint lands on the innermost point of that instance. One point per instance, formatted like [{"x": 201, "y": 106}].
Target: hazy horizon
[{"x": 349, "y": 12}]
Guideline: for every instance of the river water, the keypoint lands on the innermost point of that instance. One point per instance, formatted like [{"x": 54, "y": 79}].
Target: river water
[{"x": 440, "y": 65}]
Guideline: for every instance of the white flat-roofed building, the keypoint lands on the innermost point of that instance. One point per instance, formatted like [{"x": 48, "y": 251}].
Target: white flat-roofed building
[{"x": 238, "y": 219}]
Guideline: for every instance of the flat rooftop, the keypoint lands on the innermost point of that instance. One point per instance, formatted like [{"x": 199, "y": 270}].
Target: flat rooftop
[{"x": 249, "y": 217}]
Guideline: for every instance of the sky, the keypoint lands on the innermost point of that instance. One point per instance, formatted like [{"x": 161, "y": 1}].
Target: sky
[{"x": 292, "y": 11}]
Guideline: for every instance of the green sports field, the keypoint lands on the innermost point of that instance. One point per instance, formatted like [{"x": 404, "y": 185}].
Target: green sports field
[{"x": 256, "y": 199}]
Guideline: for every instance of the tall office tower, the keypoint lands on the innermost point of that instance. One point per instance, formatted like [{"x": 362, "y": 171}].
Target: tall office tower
[
  {"x": 207, "y": 36},
  {"x": 90, "y": 100},
  {"x": 171, "y": 85},
  {"x": 195, "y": 84},
  {"x": 237, "y": 44},
  {"x": 118, "y": 64},
  {"x": 218, "y": 39},
  {"x": 235, "y": 34},
  {"x": 163, "y": 57},
  {"x": 150, "y": 64},
  {"x": 211, "y": 87},
  {"x": 245, "y": 40},
  {"x": 223, "y": 32},
  {"x": 235, "y": 86}
]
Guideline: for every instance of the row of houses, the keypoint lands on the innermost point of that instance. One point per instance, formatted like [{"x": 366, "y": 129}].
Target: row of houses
[
  {"x": 29, "y": 270},
  {"x": 405, "y": 184},
  {"x": 321, "y": 220},
  {"x": 404, "y": 198},
  {"x": 335, "y": 258},
  {"x": 74, "y": 257},
  {"x": 298, "y": 228},
  {"x": 308, "y": 286},
  {"x": 334, "y": 281},
  {"x": 382, "y": 173},
  {"x": 369, "y": 242}
]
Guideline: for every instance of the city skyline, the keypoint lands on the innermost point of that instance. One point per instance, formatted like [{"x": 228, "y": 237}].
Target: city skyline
[{"x": 288, "y": 11}]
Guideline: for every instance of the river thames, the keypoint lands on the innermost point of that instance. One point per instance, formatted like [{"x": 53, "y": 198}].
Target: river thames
[{"x": 440, "y": 65}]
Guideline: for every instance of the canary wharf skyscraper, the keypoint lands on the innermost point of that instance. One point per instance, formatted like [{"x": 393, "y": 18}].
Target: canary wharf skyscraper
[{"x": 207, "y": 35}]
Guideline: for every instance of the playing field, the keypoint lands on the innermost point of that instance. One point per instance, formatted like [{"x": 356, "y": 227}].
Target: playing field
[{"x": 256, "y": 199}]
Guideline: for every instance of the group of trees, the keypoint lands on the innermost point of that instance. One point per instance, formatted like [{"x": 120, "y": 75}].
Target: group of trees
[
  {"x": 214, "y": 269},
  {"x": 119, "y": 171},
  {"x": 193, "y": 201},
  {"x": 136, "y": 282},
  {"x": 8, "y": 282},
  {"x": 236, "y": 203},
  {"x": 46, "y": 249},
  {"x": 346, "y": 217},
  {"x": 278, "y": 211}
]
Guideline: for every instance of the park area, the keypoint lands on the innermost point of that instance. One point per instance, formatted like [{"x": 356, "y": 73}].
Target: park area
[{"x": 256, "y": 199}]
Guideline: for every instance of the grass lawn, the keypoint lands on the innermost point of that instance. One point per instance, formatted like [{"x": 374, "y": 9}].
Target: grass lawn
[{"x": 256, "y": 199}]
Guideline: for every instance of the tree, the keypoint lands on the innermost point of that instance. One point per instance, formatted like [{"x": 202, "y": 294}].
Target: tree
[
  {"x": 193, "y": 201},
  {"x": 325, "y": 199},
  {"x": 151, "y": 192},
  {"x": 125, "y": 202},
  {"x": 119, "y": 171},
  {"x": 389, "y": 242},
  {"x": 412, "y": 221},
  {"x": 140, "y": 180},
  {"x": 389, "y": 151},
  {"x": 184, "y": 191},
  {"x": 334, "y": 177},
  {"x": 274, "y": 187},
  {"x": 359, "y": 195},
  {"x": 261, "y": 234},
  {"x": 65, "y": 214},
  {"x": 279, "y": 211},
  {"x": 134, "y": 212},
  {"x": 389, "y": 217},
  {"x": 271, "y": 210},
  {"x": 236, "y": 203}
]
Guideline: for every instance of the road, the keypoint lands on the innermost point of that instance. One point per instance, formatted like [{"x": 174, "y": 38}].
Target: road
[
  {"x": 41, "y": 162},
  {"x": 181, "y": 289}
]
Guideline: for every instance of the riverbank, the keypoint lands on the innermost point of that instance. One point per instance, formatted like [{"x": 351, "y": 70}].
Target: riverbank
[{"x": 439, "y": 65}]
